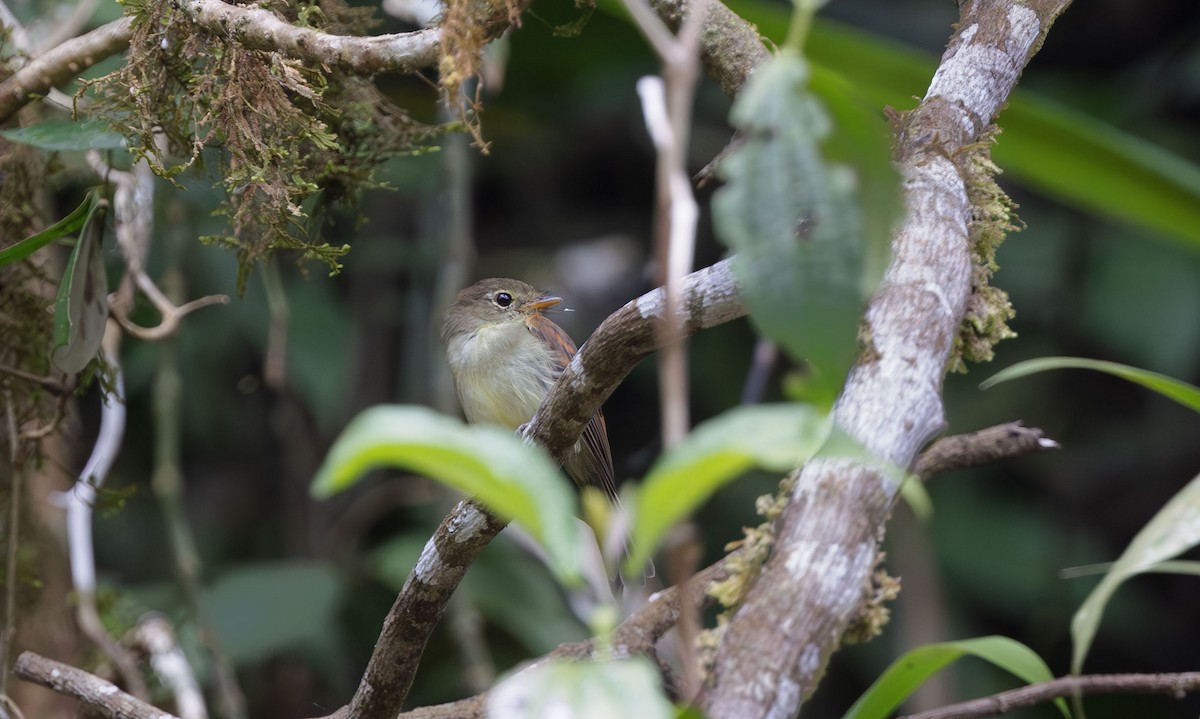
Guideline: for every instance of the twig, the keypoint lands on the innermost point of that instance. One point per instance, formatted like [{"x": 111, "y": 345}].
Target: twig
[
  {"x": 278, "y": 313},
  {"x": 986, "y": 445},
  {"x": 1176, "y": 685},
  {"x": 154, "y": 636},
  {"x": 50, "y": 384},
  {"x": 99, "y": 695},
  {"x": 14, "y": 534},
  {"x": 133, "y": 207},
  {"x": 81, "y": 499}
]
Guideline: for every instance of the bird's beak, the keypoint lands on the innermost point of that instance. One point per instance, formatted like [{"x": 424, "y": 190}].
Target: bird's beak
[{"x": 543, "y": 302}]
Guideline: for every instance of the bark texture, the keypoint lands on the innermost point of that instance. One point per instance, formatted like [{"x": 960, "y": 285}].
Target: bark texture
[{"x": 780, "y": 640}]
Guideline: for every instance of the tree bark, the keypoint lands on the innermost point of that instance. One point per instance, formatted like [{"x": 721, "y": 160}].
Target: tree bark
[{"x": 779, "y": 641}]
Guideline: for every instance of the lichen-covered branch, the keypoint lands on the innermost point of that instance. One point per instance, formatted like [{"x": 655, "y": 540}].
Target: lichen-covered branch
[
  {"x": 99, "y": 695},
  {"x": 780, "y": 640},
  {"x": 258, "y": 29},
  {"x": 975, "y": 448},
  {"x": 62, "y": 64}
]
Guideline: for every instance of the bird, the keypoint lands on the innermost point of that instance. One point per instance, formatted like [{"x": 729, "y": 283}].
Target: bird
[{"x": 505, "y": 355}]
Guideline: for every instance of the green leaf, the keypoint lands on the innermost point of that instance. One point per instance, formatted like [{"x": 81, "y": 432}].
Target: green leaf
[
  {"x": 257, "y": 610},
  {"x": 793, "y": 221},
  {"x": 1067, "y": 154},
  {"x": 911, "y": 670},
  {"x": 517, "y": 481},
  {"x": 81, "y": 307},
  {"x": 1169, "y": 387},
  {"x": 68, "y": 135},
  {"x": 776, "y": 437},
  {"x": 1174, "y": 530},
  {"x": 66, "y": 226},
  {"x": 581, "y": 690}
]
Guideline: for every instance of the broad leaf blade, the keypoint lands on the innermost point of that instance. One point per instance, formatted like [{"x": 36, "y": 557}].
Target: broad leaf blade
[
  {"x": 911, "y": 670},
  {"x": 64, "y": 227},
  {"x": 252, "y": 623},
  {"x": 793, "y": 221},
  {"x": 81, "y": 307},
  {"x": 774, "y": 437},
  {"x": 68, "y": 135},
  {"x": 517, "y": 481},
  {"x": 1185, "y": 394},
  {"x": 1174, "y": 530}
]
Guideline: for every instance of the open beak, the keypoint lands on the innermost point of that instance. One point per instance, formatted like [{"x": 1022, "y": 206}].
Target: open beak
[{"x": 543, "y": 302}]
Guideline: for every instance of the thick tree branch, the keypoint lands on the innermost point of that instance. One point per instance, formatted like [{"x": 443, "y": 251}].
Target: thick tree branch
[
  {"x": 62, "y": 64},
  {"x": 260, "y": 29},
  {"x": 1176, "y": 685},
  {"x": 99, "y": 695},
  {"x": 780, "y": 640},
  {"x": 710, "y": 297},
  {"x": 730, "y": 47},
  {"x": 975, "y": 448}
]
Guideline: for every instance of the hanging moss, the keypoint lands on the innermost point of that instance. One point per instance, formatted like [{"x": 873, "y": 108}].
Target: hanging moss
[
  {"x": 993, "y": 216},
  {"x": 291, "y": 137}
]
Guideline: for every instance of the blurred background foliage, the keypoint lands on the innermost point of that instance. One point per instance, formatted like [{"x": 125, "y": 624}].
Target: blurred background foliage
[{"x": 296, "y": 589}]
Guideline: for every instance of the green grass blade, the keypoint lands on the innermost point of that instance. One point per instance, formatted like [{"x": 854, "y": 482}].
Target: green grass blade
[{"x": 1185, "y": 394}]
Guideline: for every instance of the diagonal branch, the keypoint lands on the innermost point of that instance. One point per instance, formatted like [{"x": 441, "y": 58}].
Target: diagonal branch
[
  {"x": 779, "y": 641},
  {"x": 1176, "y": 685},
  {"x": 710, "y": 297},
  {"x": 62, "y": 64}
]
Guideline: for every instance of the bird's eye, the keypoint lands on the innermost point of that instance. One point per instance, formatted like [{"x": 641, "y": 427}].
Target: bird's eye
[{"x": 503, "y": 299}]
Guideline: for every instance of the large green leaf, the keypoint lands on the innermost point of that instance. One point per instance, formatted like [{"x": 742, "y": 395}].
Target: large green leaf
[
  {"x": 68, "y": 135},
  {"x": 517, "y": 481},
  {"x": 581, "y": 690},
  {"x": 81, "y": 307},
  {"x": 793, "y": 220},
  {"x": 1185, "y": 394},
  {"x": 911, "y": 670},
  {"x": 773, "y": 437},
  {"x": 1067, "y": 154},
  {"x": 1174, "y": 530},
  {"x": 64, "y": 227},
  {"x": 259, "y": 609}
]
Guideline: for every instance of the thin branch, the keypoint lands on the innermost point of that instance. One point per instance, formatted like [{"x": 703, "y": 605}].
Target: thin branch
[
  {"x": 80, "y": 501},
  {"x": 99, "y": 695},
  {"x": 154, "y": 636},
  {"x": 960, "y": 451},
  {"x": 62, "y": 64},
  {"x": 1176, "y": 685}
]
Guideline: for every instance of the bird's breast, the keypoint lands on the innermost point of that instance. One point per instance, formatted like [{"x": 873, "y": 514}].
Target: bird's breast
[{"x": 502, "y": 373}]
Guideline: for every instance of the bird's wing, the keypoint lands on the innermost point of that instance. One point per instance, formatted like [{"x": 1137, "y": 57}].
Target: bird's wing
[{"x": 597, "y": 465}]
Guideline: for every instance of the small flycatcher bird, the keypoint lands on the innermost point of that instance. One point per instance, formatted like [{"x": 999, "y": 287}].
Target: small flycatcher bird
[{"x": 505, "y": 355}]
